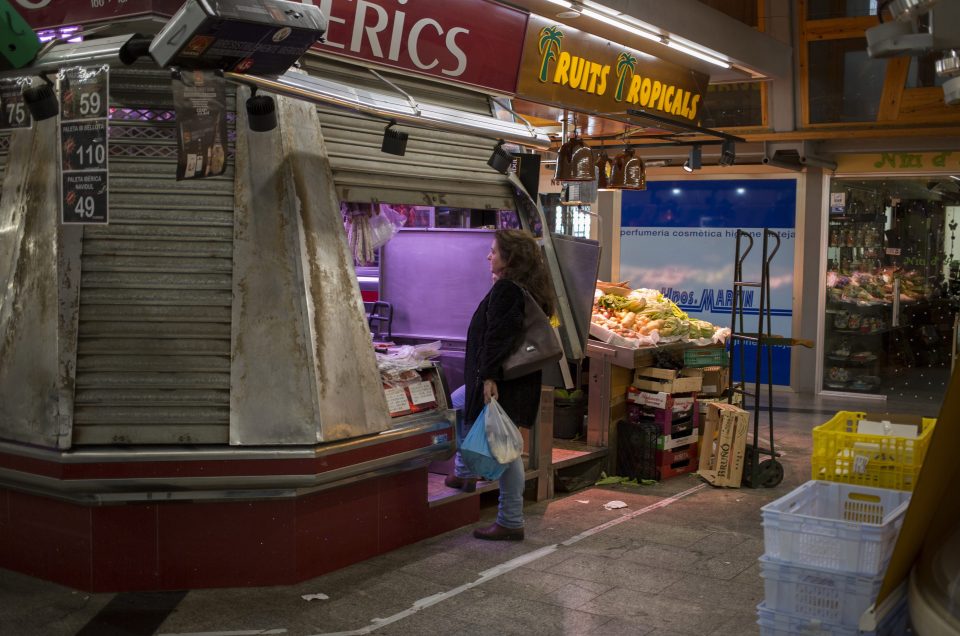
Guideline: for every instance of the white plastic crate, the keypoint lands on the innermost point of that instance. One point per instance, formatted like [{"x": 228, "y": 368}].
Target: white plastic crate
[
  {"x": 773, "y": 623},
  {"x": 812, "y": 593},
  {"x": 784, "y": 624},
  {"x": 838, "y": 527}
]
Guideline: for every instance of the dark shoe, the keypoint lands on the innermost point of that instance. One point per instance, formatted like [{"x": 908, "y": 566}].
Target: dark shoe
[
  {"x": 496, "y": 532},
  {"x": 466, "y": 484}
]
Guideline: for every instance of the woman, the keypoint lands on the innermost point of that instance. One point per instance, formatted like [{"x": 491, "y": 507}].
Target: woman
[{"x": 495, "y": 331}]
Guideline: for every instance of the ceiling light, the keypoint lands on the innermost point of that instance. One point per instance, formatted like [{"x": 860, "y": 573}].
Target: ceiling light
[
  {"x": 728, "y": 153},
  {"x": 695, "y": 160},
  {"x": 500, "y": 160},
  {"x": 906, "y": 10},
  {"x": 698, "y": 54},
  {"x": 629, "y": 172},
  {"x": 599, "y": 7},
  {"x": 394, "y": 141},
  {"x": 562, "y": 3},
  {"x": 261, "y": 113},
  {"x": 620, "y": 25},
  {"x": 41, "y": 101}
]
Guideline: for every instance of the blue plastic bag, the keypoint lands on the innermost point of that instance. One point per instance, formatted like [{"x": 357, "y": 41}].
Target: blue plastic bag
[{"x": 475, "y": 451}]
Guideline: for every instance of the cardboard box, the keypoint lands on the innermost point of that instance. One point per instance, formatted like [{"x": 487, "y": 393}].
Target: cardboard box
[
  {"x": 666, "y": 381},
  {"x": 715, "y": 380},
  {"x": 260, "y": 37},
  {"x": 724, "y": 445}
]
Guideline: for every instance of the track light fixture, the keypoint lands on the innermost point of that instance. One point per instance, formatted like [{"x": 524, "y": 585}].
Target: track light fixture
[
  {"x": 695, "y": 160},
  {"x": 394, "y": 141},
  {"x": 500, "y": 160},
  {"x": 41, "y": 101},
  {"x": 261, "y": 112},
  {"x": 728, "y": 153}
]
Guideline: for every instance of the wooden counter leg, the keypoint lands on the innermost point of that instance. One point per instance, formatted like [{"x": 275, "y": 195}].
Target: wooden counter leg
[{"x": 544, "y": 445}]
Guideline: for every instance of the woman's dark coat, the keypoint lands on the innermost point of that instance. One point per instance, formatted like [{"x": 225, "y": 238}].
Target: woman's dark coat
[{"x": 494, "y": 333}]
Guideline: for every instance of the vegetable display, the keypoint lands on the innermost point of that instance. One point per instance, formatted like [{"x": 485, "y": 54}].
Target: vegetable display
[
  {"x": 873, "y": 289},
  {"x": 645, "y": 317}
]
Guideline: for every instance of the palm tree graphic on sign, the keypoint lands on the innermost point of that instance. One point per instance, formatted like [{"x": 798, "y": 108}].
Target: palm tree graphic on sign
[
  {"x": 549, "y": 48},
  {"x": 624, "y": 61}
]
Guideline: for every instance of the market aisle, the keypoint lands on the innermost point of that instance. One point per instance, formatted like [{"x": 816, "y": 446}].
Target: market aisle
[{"x": 689, "y": 567}]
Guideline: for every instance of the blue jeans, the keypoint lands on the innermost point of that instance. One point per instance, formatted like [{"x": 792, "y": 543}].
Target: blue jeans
[{"x": 512, "y": 481}]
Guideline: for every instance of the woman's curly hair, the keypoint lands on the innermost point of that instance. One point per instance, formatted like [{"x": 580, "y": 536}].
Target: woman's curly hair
[{"x": 523, "y": 263}]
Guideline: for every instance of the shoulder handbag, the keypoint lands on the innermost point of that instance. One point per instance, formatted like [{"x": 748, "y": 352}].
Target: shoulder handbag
[{"x": 539, "y": 346}]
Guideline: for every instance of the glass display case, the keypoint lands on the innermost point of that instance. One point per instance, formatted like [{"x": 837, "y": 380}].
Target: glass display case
[{"x": 889, "y": 317}]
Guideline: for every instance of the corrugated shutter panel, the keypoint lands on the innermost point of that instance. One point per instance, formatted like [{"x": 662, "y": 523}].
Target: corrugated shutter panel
[
  {"x": 4, "y": 154},
  {"x": 439, "y": 168},
  {"x": 153, "y": 360}
]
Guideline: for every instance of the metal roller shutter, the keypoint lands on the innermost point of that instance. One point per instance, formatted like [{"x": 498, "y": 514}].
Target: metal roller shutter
[
  {"x": 153, "y": 359},
  {"x": 439, "y": 168},
  {"x": 4, "y": 154}
]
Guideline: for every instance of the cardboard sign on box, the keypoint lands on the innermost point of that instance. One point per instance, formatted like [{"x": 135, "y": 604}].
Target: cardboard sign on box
[{"x": 724, "y": 445}]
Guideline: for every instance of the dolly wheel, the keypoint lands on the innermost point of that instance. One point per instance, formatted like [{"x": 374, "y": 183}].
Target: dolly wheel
[{"x": 769, "y": 473}]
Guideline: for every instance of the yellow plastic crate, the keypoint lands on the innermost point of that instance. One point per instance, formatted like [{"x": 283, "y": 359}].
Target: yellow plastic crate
[{"x": 841, "y": 454}]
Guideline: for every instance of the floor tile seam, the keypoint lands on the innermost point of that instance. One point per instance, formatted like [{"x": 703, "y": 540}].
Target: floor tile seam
[{"x": 514, "y": 563}]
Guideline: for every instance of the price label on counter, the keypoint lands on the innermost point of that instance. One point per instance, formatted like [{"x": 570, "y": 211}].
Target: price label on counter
[
  {"x": 397, "y": 401},
  {"x": 14, "y": 111},
  {"x": 422, "y": 393},
  {"x": 84, "y": 145},
  {"x": 85, "y": 197}
]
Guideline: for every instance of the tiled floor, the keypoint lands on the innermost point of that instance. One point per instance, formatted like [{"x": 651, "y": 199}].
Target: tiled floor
[{"x": 687, "y": 566}]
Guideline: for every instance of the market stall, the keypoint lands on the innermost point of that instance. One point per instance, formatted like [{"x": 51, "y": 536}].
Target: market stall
[{"x": 636, "y": 329}]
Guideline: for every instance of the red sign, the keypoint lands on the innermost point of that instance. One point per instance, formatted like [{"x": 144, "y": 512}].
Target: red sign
[
  {"x": 476, "y": 42},
  {"x": 41, "y": 14},
  {"x": 468, "y": 41}
]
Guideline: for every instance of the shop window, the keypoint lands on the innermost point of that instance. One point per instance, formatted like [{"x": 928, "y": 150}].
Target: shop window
[
  {"x": 845, "y": 83},
  {"x": 828, "y": 9},
  {"x": 729, "y": 105},
  {"x": 892, "y": 286}
]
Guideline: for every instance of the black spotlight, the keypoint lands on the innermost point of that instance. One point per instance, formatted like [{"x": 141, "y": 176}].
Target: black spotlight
[
  {"x": 41, "y": 101},
  {"x": 394, "y": 141},
  {"x": 728, "y": 153},
  {"x": 261, "y": 113},
  {"x": 694, "y": 161},
  {"x": 500, "y": 160}
]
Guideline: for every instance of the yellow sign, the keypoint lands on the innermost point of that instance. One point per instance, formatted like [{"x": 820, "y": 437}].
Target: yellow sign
[
  {"x": 947, "y": 161},
  {"x": 565, "y": 67}
]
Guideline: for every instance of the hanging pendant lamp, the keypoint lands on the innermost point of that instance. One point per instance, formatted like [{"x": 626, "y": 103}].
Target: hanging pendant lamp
[
  {"x": 629, "y": 173},
  {"x": 603, "y": 165},
  {"x": 575, "y": 162}
]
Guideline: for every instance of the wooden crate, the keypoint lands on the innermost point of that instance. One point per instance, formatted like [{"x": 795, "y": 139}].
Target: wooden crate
[
  {"x": 723, "y": 449},
  {"x": 666, "y": 381}
]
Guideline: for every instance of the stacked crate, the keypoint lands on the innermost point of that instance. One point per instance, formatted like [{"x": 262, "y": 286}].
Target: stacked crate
[
  {"x": 659, "y": 439},
  {"x": 880, "y": 450},
  {"x": 827, "y": 546}
]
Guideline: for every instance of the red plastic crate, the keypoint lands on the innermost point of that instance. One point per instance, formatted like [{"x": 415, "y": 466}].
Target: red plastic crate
[
  {"x": 679, "y": 461},
  {"x": 674, "y": 455}
]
